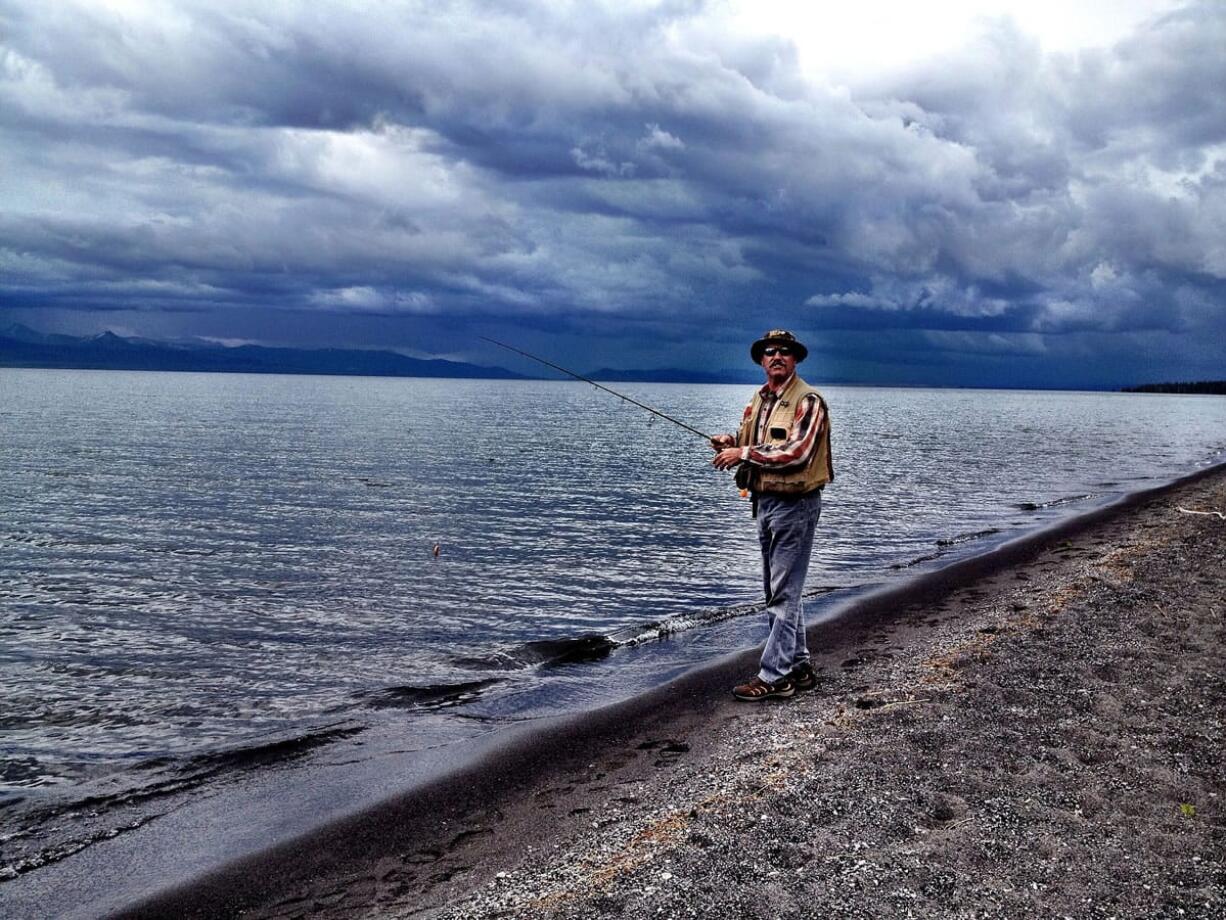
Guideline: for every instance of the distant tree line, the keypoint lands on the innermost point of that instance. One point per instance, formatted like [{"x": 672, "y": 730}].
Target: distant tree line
[{"x": 1216, "y": 387}]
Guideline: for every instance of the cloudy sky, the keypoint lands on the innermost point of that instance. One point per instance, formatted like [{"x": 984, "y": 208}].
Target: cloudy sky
[{"x": 960, "y": 193}]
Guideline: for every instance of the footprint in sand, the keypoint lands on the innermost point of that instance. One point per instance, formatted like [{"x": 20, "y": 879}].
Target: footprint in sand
[
  {"x": 862, "y": 657},
  {"x": 466, "y": 835},
  {"x": 668, "y": 750},
  {"x": 424, "y": 856}
]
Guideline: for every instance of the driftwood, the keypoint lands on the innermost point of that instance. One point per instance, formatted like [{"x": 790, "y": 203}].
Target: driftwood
[{"x": 1190, "y": 511}]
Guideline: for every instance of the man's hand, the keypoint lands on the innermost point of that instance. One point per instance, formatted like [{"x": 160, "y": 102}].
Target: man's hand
[
  {"x": 721, "y": 441},
  {"x": 727, "y": 458}
]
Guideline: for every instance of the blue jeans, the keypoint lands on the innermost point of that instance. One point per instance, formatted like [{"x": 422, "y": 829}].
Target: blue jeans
[{"x": 785, "y": 530}]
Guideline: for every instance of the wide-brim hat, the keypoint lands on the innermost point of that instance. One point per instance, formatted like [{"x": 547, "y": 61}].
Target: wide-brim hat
[{"x": 778, "y": 337}]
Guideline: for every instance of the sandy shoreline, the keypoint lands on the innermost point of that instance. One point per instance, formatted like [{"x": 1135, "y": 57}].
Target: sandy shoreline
[{"x": 1045, "y": 739}]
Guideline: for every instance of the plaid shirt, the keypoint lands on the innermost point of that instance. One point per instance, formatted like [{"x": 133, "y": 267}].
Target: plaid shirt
[{"x": 794, "y": 452}]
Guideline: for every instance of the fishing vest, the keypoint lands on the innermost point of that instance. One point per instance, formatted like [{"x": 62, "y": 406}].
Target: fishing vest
[{"x": 797, "y": 481}]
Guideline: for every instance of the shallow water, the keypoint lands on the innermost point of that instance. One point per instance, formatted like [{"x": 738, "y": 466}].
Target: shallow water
[{"x": 193, "y": 565}]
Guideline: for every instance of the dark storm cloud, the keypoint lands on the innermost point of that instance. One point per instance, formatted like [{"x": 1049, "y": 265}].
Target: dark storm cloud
[
  {"x": 602, "y": 168},
  {"x": 1099, "y": 205}
]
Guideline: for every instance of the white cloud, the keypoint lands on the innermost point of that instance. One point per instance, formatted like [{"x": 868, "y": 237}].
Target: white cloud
[
  {"x": 657, "y": 138},
  {"x": 852, "y": 40},
  {"x": 935, "y": 294},
  {"x": 1103, "y": 275},
  {"x": 598, "y": 162},
  {"x": 988, "y": 343},
  {"x": 367, "y": 299},
  {"x": 849, "y": 299}
]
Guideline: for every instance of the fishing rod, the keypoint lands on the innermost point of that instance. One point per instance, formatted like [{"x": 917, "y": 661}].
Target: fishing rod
[{"x": 599, "y": 386}]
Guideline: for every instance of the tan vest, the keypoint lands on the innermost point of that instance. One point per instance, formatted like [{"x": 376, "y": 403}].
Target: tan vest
[{"x": 797, "y": 481}]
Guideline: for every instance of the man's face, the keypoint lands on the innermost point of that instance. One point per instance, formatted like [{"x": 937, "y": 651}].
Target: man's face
[{"x": 778, "y": 361}]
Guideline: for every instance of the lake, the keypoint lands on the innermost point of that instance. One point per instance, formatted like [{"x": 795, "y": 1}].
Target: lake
[{"x": 195, "y": 566}]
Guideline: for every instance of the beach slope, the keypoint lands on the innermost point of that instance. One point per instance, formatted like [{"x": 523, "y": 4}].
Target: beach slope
[{"x": 1039, "y": 733}]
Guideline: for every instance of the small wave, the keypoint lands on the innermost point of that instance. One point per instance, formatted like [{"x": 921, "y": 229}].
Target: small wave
[
  {"x": 944, "y": 546},
  {"x": 31, "y": 539},
  {"x": 968, "y": 537},
  {"x": 916, "y": 561},
  {"x": 263, "y": 753},
  {"x": 437, "y": 696},
  {"x": 59, "y": 827},
  {"x": 171, "y": 774},
  {"x": 22, "y": 772},
  {"x": 670, "y": 626},
  {"x": 639, "y": 633},
  {"x": 543, "y": 652},
  {"x": 1054, "y": 503},
  {"x": 595, "y": 647}
]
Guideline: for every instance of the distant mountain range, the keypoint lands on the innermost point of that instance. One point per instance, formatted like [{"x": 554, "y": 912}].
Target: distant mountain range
[
  {"x": 21, "y": 346},
  {"x": 1211, "y": 387}
]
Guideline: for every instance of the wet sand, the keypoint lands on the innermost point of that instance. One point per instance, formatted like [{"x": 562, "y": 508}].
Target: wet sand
[{"x": 1033, "y": 733}]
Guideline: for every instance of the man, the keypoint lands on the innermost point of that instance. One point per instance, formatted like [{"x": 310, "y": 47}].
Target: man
[{"x": 783, "y": 447}]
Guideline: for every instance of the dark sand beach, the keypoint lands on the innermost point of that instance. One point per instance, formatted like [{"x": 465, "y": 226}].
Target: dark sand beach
[{"x": 1033, "y": 733}]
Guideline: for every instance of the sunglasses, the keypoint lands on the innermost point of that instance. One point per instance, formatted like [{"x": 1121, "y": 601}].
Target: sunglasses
[{"x": 772, "y": 350}]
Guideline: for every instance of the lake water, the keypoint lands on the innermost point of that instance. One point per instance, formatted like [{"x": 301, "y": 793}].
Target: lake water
[{"x": 195, "y": 565}]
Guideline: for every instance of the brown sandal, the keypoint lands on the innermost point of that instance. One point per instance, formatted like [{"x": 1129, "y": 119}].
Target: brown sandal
[{"x": 758, "y": 689}]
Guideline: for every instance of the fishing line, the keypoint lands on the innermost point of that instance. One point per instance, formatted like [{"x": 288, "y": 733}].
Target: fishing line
[{"x": 599, "y": 386}]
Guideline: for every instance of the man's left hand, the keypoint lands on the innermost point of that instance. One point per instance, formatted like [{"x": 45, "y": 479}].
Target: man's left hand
[{"x": 726, "y": 459}]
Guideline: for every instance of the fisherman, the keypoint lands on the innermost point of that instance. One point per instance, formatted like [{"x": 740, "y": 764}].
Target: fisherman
[{"x": 783, "y": 451}]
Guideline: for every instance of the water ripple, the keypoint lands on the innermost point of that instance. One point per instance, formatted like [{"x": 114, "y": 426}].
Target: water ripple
[{"x": 190, "y": 560}]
